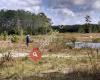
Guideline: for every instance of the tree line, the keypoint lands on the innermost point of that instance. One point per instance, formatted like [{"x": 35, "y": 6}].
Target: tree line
[
  {"x": 15, "y": 21},
  {"x": 91, "y": 28},
  {"x": 88, "y": 27}
]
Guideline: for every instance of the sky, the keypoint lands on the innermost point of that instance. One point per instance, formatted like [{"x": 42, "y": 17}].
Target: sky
[{"x": 61, "y": 12}]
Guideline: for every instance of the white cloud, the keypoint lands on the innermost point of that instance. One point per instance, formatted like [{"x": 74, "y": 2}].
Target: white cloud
[
  {"x": 62, "y": 12},
  {"x": 78, "y": 2},
  {"x": 34, "y": 2},
  {"x": 67, "y": 12},
  {"x": 60, "y": 16},
  {"x": 29, "y": 5},
  {"x": 96, "y": 4},
  {"x": 37, "y": 9}
]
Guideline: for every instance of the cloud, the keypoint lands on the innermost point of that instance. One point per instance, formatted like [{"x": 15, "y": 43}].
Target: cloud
[
  {"x": 63, "y": 12},
  {"x": 29, "y": 5},
  {"x": 58, "y": 3},
  {"x": 35, "y": 5},
  {"x": 73, "y": 5},
  {"x": 34, "y": 2},
  {"x": 60, "y": 11},
  {"x": 59, "y": 15},
  {"x": 79, "y": 2},
  {"x": 96, "y": 4}
]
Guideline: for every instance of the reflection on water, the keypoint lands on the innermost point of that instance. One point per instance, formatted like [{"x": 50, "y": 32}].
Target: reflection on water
[{"x": 87, "y": 45}]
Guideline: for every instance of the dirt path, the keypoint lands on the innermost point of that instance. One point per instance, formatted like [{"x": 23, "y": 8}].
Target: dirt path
[{"x": 60, "y": 55}]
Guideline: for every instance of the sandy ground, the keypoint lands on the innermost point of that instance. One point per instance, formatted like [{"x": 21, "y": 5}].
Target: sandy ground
[{"x": 59, "y": 55}]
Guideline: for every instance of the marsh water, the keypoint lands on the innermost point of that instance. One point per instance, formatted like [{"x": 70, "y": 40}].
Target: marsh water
[{"x": 87, "y": 45}]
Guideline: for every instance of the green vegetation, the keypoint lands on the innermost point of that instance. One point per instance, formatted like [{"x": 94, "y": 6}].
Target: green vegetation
[
  {"x": 79, "y": 64},
  {"x": 84, "y": 28},
  {"x": 14, "y": 39},
  {"x": 93, "y": 28},
  {"x": 22, "y": 68},
  {"x": 13, "y": 22},
  {"x": 4, "y": 35},
  {"x": 68, "y": 64},
  {"x": 96, "y": 40}
]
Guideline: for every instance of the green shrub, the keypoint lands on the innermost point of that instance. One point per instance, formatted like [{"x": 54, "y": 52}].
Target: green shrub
[
  {"x": 72, "y": 40},
  {"x": 69, "y": 46},
  {"x": 6, "y": 60},
  {"x": 96, "y": 40},
  {"x": 14, "y": 39},
  {"x": 57, "y": 45},
  {"x": 4, "y": 35},
  {"x": 24, "y": 58}
]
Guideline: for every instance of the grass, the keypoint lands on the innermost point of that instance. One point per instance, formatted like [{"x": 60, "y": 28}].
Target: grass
[
  {"x": 56, "y": 40},
  {"x": 53, "y": 68},
  {"x": 31, "y": 67},
  {"x": 96, "y": 40},
  {"x": 25, "y": 66}
]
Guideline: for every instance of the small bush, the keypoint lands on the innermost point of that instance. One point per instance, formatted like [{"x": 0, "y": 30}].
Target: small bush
[
  {"x": 4, "y": 35},
  {"x": 96, "y": 40},
  {"x": 58, "y": 44},
  {"x": 25, "y": 58},
  {"x": 6, "y": 60},
  {"x": 14, "y": 39},
  {"x": 69, "y": 46},
  {"x": 72, "y": 39},
  {"x": 2, "y": 50}
]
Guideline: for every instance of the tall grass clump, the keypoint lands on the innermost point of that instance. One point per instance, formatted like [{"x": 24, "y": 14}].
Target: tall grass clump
[
  {"x": 58, "y": 43},
  {"x": 71, "y": 42},
  {"x": 4, "y": 35},
  {"x": 96, "y": 40},
  {"x": 14, "y": 39},
  {"x": 93, "y": 62},
  {"x": 6, "y": 60}
]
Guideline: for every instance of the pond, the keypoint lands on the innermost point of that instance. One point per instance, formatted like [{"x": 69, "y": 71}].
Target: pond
[{"x": 87, "y": 45}]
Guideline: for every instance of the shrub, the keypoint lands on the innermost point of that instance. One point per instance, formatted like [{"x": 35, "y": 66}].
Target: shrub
[
  {"x": 69, "y": 46},
  {"x": 96, "y": 40},
  {"x": 6, "y": 60},
  {"x": 4, "y": 35},
  {"x": 72, "y": 40},
  {"x": 58, "y": 44},
  {"x": 14, "y": 39}
]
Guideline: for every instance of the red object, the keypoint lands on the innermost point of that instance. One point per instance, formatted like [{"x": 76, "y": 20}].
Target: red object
[{"x": 35, "y": 55}]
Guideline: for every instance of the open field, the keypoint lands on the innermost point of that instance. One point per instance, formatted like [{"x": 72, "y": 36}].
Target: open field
[
  {"x": 59, "y": 62},
  {"x": 50, "y": 40},
  {"x": 80, "y": 36},
  {"x": 81, "y": 67}
]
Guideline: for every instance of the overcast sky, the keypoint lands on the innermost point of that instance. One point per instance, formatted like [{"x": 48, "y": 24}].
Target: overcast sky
[{"x": 60, "y": 11}]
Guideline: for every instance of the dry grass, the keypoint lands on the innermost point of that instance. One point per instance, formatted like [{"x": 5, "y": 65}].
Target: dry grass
[
  {"x": 53, "y": 41},
  {"x": 53, "y": 68},
  {"x": 24, "y": 67},
  {"x": 80, "y": 36}
]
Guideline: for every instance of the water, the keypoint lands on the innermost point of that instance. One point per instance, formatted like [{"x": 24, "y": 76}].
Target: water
[{"x": 87, "y": 45}]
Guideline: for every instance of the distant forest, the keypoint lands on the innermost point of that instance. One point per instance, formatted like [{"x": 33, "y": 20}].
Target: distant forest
[
  {"x": 85, "y": 28},
  {"x": 17, "y": 21},
  {"x": 13, "y": 22}
]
